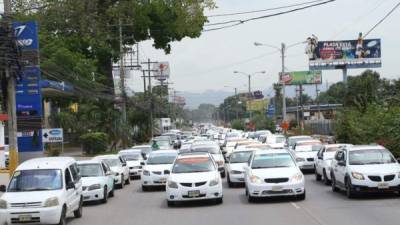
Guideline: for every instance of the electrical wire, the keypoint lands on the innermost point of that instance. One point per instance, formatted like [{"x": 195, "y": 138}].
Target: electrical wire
[
  {"x": 236, "y": 22},
  {"x": 383, "y": 19}
]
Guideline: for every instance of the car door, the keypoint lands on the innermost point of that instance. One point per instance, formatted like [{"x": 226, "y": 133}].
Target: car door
[
  {"x": 70, "y": 190},
  {"x": 108, "y": 176},
  {"x": 319, "y": 161},
  {"x": 340, "y": 167},
  {"x": 76, "y": 177},
  {"x": 124, "y": 166}
]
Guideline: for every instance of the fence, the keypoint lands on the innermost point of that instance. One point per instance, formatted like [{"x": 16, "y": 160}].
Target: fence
[{"x": 323, "y": 127}]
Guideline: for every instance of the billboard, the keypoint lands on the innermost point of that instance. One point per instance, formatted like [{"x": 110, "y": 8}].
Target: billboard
[
  {"x": 258, "y": 105},
  {"x": 360, "y": 53},
  {"x": 161, "y": 71},
  {"x": 26, "y": 35},
  {"x": 302, "y": 77}
]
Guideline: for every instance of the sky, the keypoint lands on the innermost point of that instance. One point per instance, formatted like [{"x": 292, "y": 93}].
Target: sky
[{"x": 207, "y": 63}]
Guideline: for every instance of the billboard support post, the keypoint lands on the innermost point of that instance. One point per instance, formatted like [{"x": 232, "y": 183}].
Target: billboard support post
[{"x": 344, "y": 75}]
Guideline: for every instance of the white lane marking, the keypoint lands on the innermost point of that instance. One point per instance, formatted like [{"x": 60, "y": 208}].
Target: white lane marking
[{"x": 295, "y": 205}]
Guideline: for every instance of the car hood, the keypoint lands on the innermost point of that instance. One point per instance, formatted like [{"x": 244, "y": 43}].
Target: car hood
[
  {"x": 218, "y": 157},
  {"x": 237, "y": 166},
  {"x": 329, "y": 155},
  {"x": 117, "y": 169},
  {"x": 133, "y": 163},
  {"x": 87, "y": 181},
  {"x": 309, "y": 154},
  {"x": 193, "y": 177},
  {"x": 30, "y": 196},
  {"x": 158, "y": 167},
  {"x": 275, "y": 172},
  {"x": 377, "y": 169}
]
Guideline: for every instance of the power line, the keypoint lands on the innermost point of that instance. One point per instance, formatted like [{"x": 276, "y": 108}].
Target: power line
[
  {"x": 383, "y": 19},
  {"x": 239, "y": 22},
  {"x": 264, "y": 10}
]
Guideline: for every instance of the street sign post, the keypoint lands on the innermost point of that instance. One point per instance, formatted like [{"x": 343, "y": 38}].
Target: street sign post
[{"x": 53, "y": 135}]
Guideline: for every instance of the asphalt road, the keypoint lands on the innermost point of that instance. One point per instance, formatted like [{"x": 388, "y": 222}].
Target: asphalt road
[{"x": 322, "y": 206}]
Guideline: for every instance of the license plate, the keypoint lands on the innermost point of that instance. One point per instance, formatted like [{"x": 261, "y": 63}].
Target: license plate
[
  {"x": 163, "y": 180},
  {"x": 383, "y": 185},
  {"x": 194, "y": 193},
  {"x": 25, "y": 218},
  {"x": 276, "y": 188}
]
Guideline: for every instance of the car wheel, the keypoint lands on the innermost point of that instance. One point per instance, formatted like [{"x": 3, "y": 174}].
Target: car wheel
[
  {"x": 128, "y": 181},
  {"x": 223, "y": 174},
  {"x": 317, "y": 176},
  {"x": 302, "y": 196},
  {"x": 250, "y": 198},
  {"x": 326, "y": 180},
  {"x": 122, "y": 182},
  {"x": 112, "y": 192},
  {"x": 145, "y": 188},
  {"x": 228, "y": 179},
  {"x": 78, "y": 212},
  {"x": 349, "y": 189},
  {"x": 63, "y": 217},
  {"x": 170, "y": 203},
  {"x": 334, "y": 188},
  {"x": 219, "y": 201},
  {"x": 105, "y": 195}
]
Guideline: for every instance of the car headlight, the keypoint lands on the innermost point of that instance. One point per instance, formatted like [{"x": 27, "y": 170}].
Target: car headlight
[
  {"x": 357, "y": 176},
  {"x": 50, "y": 202},
  {"x": 146, "y": 173},
  {"x": 300, "y": 159},
  {"x": 236, "y": 172},
  {"x": 298, "y": 177},
  {"x": 3, "y": 204},
  {"x": 94, "y": 187},
  {"x": 214, "y": 182},
  {"x": 255, "y": 180},
  {"x": 172, "y": 184}
]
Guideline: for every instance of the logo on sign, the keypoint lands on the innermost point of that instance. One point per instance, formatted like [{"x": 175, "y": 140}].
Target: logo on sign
[
  {"x": 55, "y": 132},
  {"x": 22, "y": 42}
]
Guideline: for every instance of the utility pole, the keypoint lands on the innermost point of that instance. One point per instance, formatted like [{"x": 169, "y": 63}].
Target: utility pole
[
  {"x": 237, "y": 103},
  {"x": 150, "y": 92},
  {"x": 317, "y": 94},
  {"x": 122, "y": 73},
  {"x": 283, "y": 49},
  {"x": 11, "y": 101},
  {"x": 144, "y": 82}
]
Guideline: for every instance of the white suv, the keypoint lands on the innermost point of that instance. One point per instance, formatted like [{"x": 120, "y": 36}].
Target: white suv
[
  {"x": 365, "y": 168},
  {"x": 42, "y": 190}
]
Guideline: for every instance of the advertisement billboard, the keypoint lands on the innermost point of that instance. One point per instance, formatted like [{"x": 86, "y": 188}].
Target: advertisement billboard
[
  {"x": 258, "y": 105},
  {"x": 302, "y": 77},
  {"x": 26, "y": 35},
  {"x": 161, "y": 71},
  {"x": 360, "y": 53}
]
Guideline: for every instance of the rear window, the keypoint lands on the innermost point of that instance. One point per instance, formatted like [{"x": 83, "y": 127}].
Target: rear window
[{"x": 209, "y": 149}]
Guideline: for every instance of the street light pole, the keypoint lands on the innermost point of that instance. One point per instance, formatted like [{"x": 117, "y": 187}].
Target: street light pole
[{"x": 283, "y": 49}]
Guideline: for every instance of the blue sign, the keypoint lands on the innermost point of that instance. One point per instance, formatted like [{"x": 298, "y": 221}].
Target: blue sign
[
  {"x": 30, "y": 141},
  {"x": 26, "y": 35},
  {"x": 271, "y": 111},
  {"x": 28, "y": 93}
]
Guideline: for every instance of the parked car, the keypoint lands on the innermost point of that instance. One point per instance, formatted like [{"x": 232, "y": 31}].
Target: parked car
[
  {"x": 118, "y": 167},
  {"x": 97, "y": 180},
  {"x": 215, "y": 152},
  {"x": 365, "y": 168},
  {"x": 323, "y": 161},
  {"x": 273, "y": 173},
  {"x": 194, "y": 176},
  {"x": 134, "y": 161},
  {"x": 157, "y": 168},
  {"x": 42, "y": 190},
  {"x": 235, "y": 166}
]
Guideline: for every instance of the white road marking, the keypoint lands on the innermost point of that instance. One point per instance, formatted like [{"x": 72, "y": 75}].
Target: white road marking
[{"x": 295, "y": 205}]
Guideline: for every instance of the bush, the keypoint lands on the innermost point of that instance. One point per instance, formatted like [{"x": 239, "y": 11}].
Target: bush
[
  {"x": 238, "y": 124},
  {"x": 93, "y": 143}
]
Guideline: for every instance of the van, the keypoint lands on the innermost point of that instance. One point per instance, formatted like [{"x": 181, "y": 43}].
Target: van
[{"x": 42, "y": 190}]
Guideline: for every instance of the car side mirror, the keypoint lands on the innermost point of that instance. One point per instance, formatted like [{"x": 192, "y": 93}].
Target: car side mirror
[
  {"x": 3, "y": 188},
  {"x": 124, "y": 164},
  {"x": 398, "y": 160},
  {"x": 142, "y": 163},
  {"x": 109, "y": 173},
  {"x": 342, "y": 163},
  {"x": 70, "y": 185},
  {"x": 224, "y": 152}
]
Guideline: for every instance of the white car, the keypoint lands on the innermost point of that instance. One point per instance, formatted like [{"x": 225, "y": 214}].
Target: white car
[
  {"x": 97, "y": 180},
  {"x": 134, "y": 161},
  {"x": 157, "y": 168},
  {"x": 305, "y": 154},
  {"x": 235, "y": 166},
  {"x": 194, "y": 176},
  {"x": 273, "y": 173},
  {"x": 42, "y": 190},
  {"x": 291, "y": 141},
  {"x": 323, "y": 161},
  {"x": 146, "y": 149},
  {"x": 215, "y": 152},
  {"x": 119, "y": 168},
  {"x": 365, "y": 168}
]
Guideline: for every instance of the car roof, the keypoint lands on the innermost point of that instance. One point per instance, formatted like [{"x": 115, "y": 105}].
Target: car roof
[
  {"x": 47, "y": 163},
  {"x": 106, "y": 157},
  {"x": 365, "y": 147},
  {"x": 141, "y": 146},
  {"x": 308, "y": 141},
  {"x": 160, "y": 152},
  {"x": 336, "y": 145},
  {"x": 300, "y": 136},
  {"x": 272, "y": 151},
  {"x": 91, "y": 161},
  {"x": 138, "y": 151},
  {"x": 193, "y": 155}
]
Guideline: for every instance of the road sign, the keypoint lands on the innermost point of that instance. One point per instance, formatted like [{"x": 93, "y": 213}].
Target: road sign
[
  {"x": 54, "y": 135},
  {"x": 271, "y": 111},
  {"x": 161, "y": 71}
]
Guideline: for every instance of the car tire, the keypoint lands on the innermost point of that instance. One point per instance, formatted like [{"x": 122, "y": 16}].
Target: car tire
[
  {"x": 228, "y": 179},
  {"x": 250, "y": 198},
  {"x": 302, "y": 197},
  {"x": 145, "y": 188},
  {"x": 223, "y": 174},
  {"x": 63, "y": 217},
  {"x": 122, "y": 182},
  {"x": 219, "y": 201},
  {"x": 349, "y": 189},
  {"x": 317, "y": 176},
  {"x": 78, "y": 212},
  {"x": 128, "y": 181},
  {"x": 170, "y": 203},
  {"x": 105, "y": 195},
  {"x": 112, "y": 192},
  {"x": 326, "y": 180},
  {"x": 333, "y": 183}
]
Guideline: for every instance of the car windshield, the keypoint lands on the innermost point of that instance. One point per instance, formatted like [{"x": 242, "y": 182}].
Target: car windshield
[
  {"x": 132, "y": 156},
  {"x": 36, "y": 180},
  {"x": 272, "y": 160},
  {"x": 143, "y": 149},
  {"x": 231, "y": 135},
  {"x": 209, "y": 149},
  {"x": 308, "y": 148},
  {"x": 240, "y": 157},
  {"x": 292, "y": 141},
  {"x": 370, "y": 156},
  {"x": 90, "y": 170},
  {"x": 161, "y": 159},
  {"x": 112, "y": 162},
  {"x": 163, "y": 143},
  {"x": 193, "y": 165},
  {"x": 280, "y": 139}
]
